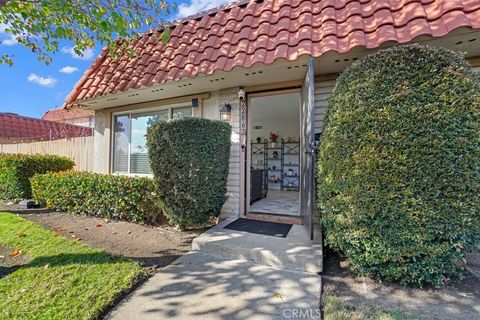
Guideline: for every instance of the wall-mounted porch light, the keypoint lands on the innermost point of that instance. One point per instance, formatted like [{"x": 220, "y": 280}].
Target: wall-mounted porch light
[{"x": 226, "y": 112}]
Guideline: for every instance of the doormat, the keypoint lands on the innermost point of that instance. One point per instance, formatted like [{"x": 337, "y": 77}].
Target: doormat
[{"x": 265, "y": 228}]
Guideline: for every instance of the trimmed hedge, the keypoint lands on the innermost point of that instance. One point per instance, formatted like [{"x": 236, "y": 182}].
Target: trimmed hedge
[
  {"x": 190, "y": 158},
  {"x": 17, "y": 169},
  {"x": 399, "y": 165},
  {"x": 105, "y": 196}
]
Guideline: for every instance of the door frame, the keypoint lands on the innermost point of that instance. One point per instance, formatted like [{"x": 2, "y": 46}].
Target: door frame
[
  {"x": 245, "y": 160},
  {"x": 307, "y": 155}
]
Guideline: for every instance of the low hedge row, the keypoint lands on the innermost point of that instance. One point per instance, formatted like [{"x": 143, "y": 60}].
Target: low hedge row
[
  {"x": 17, "y": 169},
  {"x": 106, "y": 196}
]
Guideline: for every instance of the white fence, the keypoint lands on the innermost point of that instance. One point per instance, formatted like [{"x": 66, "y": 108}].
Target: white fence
[{"x": 78, "y": 149}]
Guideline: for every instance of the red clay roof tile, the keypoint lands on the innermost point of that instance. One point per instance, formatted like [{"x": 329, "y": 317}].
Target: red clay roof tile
[
  {"x": 62, "y": 114},
  {"x": 15, "y": 128},
  {"x": 245, "y": 33}
]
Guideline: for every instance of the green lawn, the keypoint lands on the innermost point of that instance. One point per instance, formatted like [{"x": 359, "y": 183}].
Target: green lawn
[
  {"x": 64, "y": 280},
  {"x": 334, "y": 310}
]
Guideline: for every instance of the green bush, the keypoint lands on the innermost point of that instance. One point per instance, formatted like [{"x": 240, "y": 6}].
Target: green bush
[
  {"x": 104, "y": 196},
  {"x": 399, "y": 165},
  {"x": 189, "y": 158},
  {"x": 16, "y": 170}
]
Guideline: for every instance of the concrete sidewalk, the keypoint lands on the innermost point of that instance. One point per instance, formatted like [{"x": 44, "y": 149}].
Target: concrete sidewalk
[
  {"x": 201, "y": 286},
  {"x": 295, "y": 252},
  {"x": 208, "y": 283}
]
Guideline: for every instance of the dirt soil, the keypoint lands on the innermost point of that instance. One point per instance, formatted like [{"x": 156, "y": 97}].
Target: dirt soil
[
  {"x": 459, "y": 299},
  {"x": 152, "y": 246},
  {"x": 473, "y": 262},
  {"x": 9, "y": 261},
  {"x": 9, "y": 206}
]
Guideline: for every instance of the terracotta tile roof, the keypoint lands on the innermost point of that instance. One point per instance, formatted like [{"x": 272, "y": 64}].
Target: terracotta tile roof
[
  {"x": 63, "y": 114},
  {"x": 15, "y": 128},
  {"x": 242, "y": 34}
]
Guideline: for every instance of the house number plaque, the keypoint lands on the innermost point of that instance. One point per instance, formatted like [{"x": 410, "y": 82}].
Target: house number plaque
[{"x": 243, "y": 113}]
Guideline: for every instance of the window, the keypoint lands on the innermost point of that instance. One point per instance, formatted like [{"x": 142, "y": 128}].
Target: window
[
  {"x": 181, "y": 112},
  {"x": 130, "y": 154}
]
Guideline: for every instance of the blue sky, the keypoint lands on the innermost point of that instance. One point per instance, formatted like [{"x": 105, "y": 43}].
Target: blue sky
[{"x": 30, "y": 88}]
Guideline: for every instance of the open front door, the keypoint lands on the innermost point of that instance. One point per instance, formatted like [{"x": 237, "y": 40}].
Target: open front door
[{"x": 307, "y": 153}]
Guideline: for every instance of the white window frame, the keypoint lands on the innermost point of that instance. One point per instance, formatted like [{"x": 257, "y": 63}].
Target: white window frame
[{"x": 130, "y": 113}]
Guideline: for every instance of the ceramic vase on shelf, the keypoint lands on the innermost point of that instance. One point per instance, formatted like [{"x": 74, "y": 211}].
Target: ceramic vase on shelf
[{"x": 273, "y": 140}]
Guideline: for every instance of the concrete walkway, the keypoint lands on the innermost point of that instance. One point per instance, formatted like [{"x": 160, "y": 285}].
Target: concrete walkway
[{"x": 205, "y": 285}]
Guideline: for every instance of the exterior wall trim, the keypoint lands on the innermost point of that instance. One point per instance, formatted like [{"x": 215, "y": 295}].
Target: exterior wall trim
[
  {"x": 158, "y": 103},
  {"x": 273, "y": 86},
  {"x": 245, "y": 159}
]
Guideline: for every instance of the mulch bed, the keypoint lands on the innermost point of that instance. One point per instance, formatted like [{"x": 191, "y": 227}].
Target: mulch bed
[
  {"x": 459, "y": 299},
  {"x": 152, "y": 246}
]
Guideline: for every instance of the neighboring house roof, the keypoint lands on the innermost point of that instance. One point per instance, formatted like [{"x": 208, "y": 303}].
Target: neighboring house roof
[
  {"x": 245, "y": 33},
  {"x": 15, "y": 128},
  {"x": 64, "y": 114}
]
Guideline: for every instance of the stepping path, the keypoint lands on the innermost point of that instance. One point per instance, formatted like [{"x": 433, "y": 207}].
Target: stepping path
[{"x": 206, "y": 285}]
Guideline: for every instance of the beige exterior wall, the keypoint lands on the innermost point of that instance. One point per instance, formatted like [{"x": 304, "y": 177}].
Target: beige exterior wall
[
  {"x": 101, "y": 142},
  {"x": 209, "y": 108},
  {"x": 323, "y": 91},
  {"x": 84, "y": 122}
]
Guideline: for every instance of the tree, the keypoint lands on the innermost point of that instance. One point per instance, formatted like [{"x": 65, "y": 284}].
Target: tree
[{"x": 40, "y": 25}]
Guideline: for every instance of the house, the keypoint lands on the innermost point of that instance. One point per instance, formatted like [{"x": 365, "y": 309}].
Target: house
[
  {"x": 17, "y": 129},
  {"x": 268, "y": 68},
  {"x": 76, "y": 117}
]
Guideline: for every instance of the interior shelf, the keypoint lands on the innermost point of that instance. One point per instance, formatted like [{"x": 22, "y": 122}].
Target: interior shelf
[{"x": 280, "y": 177}]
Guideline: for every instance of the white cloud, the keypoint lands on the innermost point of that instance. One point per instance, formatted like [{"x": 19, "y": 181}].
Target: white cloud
[
  {"x": 5, "y": 38},
  {"x": 10, "y": 41},
  {"x": 87, "y": 53},
  {"x": 48, "y": 82},
  {"x": 196, "y": 6},
  {"x": 68, "y": 69}
]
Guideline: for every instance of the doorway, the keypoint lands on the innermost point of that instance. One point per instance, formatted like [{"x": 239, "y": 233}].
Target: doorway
[{"x": 274, "y": 162}]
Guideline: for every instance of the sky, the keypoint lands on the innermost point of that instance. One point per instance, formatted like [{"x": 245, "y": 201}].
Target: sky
[{"x": 30, "y": 88}]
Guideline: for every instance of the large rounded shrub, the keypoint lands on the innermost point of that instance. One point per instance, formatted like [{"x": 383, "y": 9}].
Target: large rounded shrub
[
  {"x": 399, "y": 165},
  {"x": 190, "y": 159}
]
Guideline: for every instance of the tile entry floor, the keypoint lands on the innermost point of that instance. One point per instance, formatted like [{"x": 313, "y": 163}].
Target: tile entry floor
[{"x": 278, "y": 202}]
